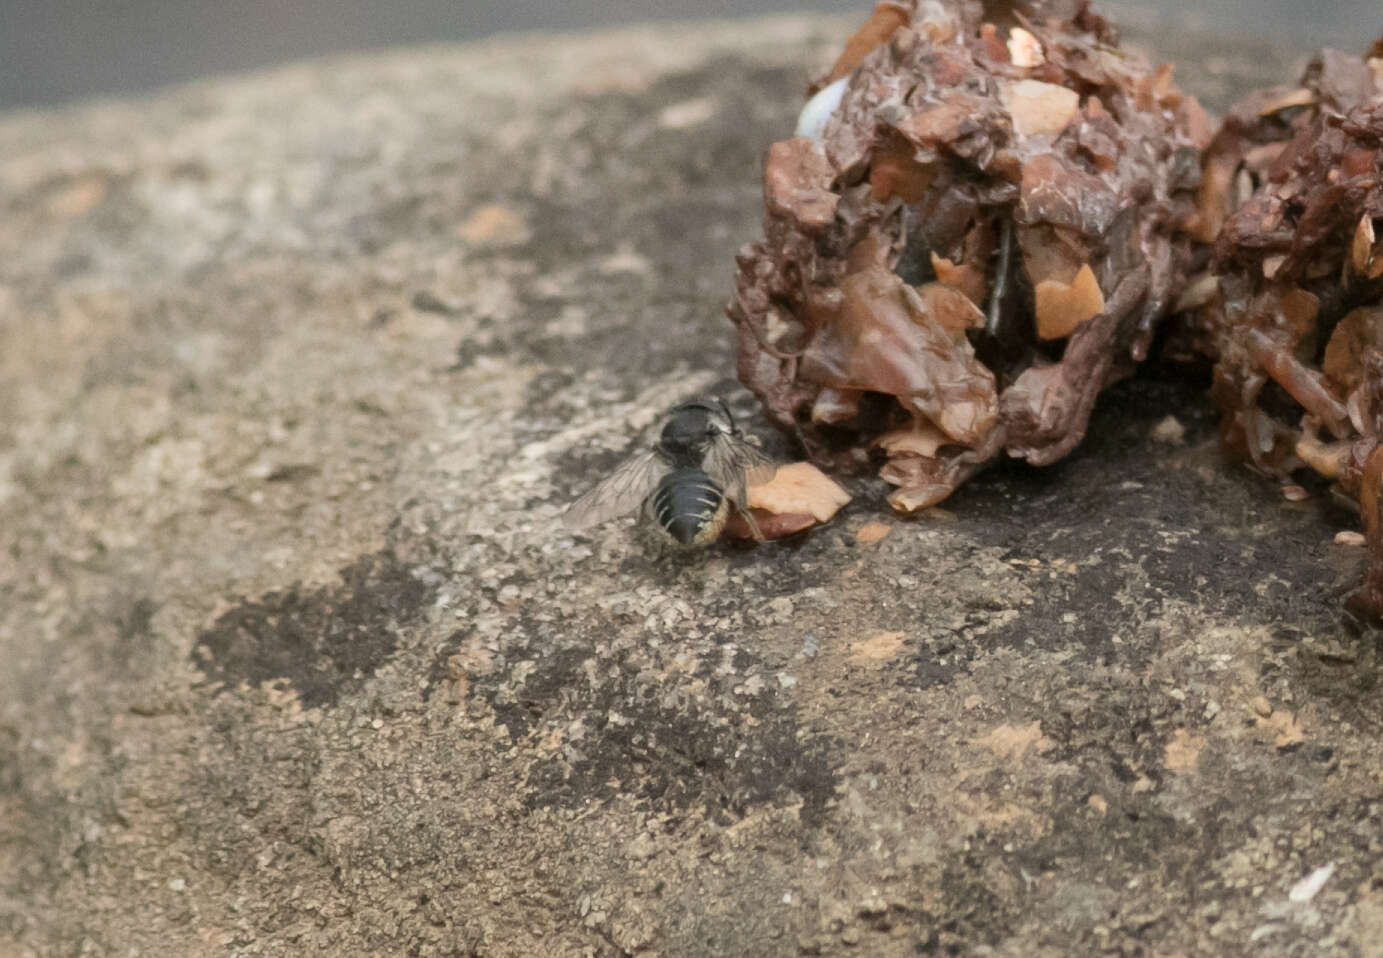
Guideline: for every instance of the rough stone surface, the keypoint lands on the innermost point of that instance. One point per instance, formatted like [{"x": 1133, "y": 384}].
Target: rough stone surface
[{"x": 296, "y": 371}]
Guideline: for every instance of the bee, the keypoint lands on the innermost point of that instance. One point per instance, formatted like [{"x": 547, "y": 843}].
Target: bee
[{"x": 688, "y": 482}]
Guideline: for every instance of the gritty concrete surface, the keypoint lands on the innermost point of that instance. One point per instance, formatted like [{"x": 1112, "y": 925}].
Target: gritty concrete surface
[{"x": 297, "y": 371}]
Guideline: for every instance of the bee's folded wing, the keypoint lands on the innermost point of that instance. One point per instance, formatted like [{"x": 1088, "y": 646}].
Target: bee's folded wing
[
  {"x": 623, "y": 491},
  {"x": 735, "y": 465}
]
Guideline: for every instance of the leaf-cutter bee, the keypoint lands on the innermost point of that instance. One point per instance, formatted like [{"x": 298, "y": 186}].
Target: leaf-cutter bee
[{"x": 699, "y": 469}]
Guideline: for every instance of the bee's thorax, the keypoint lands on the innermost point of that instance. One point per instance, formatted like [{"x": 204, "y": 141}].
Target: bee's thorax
[{"x": 689, "y": 432}]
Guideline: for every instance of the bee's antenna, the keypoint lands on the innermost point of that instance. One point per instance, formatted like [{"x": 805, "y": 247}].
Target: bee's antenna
[{"x": 729, "y": 416}]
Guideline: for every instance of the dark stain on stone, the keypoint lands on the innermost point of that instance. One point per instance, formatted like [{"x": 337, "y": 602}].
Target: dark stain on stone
[
  {"x": 133, "y": 622},
  {"x": 1163, "y": 522},
  {"x": 640, "y": 734},
  {"x": 323, "y": 641}
]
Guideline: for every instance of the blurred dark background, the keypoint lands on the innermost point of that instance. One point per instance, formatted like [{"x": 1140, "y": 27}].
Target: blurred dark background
[{"x": 57, "y": 50}]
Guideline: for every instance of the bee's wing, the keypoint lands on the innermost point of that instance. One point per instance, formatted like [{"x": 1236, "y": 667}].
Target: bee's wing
[
  {"x": 735, "y": 465},
  {"x": 622, "y": 491}
]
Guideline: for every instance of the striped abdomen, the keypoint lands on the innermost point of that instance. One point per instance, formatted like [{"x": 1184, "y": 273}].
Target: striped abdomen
[{"x": 688, "y": 506}]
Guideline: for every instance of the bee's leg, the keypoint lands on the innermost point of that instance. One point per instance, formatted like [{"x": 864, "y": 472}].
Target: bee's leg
[{"x": 750, "y": 521}]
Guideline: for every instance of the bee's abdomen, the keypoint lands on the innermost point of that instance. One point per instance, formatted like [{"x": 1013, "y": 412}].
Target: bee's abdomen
[{"x": 689, "y": 507}]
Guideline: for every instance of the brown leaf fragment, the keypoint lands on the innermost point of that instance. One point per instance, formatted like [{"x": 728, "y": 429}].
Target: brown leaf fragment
[
  {"x": 798, "y": 496},
  {"x": 1052, "y": 253},
  {"x": 1342, "y": 363},
  {"x": 947, "y": 306},
  {"x": 770, "y": 525},
  {"x": 963, "y": 277},
  {"x": 895, "y": 171},
  {"x": 1063, "y": 195},
  {"x": 881, "y": 341},
  {"x": 1061, "y": 307},
  {"x": 797, "y": 182},
  {"x": 882, "y": 23},
  {"x": 940, "y": 124}
]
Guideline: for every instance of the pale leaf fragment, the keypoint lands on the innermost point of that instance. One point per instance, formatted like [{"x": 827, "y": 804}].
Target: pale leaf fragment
[
  {"x": 1197, "y": 293},
  {"x": 1024, "y": 49},
  {"x": 1039, "y": 108},
  {"x": 919, "y": 439},
  {"x": 1061, "y": 307},
  {"x": 799, "y": 488},
  {"x": 1361, "y": 251},
  {"x": 1289, "y": 99}
]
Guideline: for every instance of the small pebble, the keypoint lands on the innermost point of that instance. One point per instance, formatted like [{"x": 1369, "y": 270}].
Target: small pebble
[
  {"x": 1351, "y": 539},
  {"x": 1262, "y": 706},
  {"x": 871, "y": 532},
  {"x": 1295, "y": 494},
  {"x": 1170, "y": 430}
]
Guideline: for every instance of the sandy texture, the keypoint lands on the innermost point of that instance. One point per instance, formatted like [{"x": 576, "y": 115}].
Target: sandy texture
[{"x": 296, "y": 371}]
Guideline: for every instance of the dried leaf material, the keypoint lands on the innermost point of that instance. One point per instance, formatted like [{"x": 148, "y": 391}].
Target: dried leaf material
[
  {"x": 1298, "y": 304},
  {"x": 896, "y": 171},
  {"x": 1287, "y": 99},
  {"x": 799, "y": 487},
  {"x": 1343, "y": 361},
  {"x": 1024, "y": 49},
  {"x": 797, "y": 497},
  {"x": 968, "y": 279},
  {"x": 797, "y": 182},
  {"x": 881, "y": 25},
  {"x": 919, "y": 439},
  {"x": 885, "y": 338},
  {"x": 1061, "y": 307},
  {"x": 1004, "y": 176},
  {"x": 1361, "y": 251},
  {"x": 1038, "y": 108}
]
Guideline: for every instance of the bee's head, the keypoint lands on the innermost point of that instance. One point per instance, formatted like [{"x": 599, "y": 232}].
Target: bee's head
[{"x": 693, "y": 425}]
